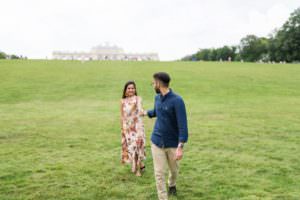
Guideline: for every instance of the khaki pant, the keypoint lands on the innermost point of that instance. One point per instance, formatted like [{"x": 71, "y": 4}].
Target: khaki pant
[{"x": 163, "y": 157}]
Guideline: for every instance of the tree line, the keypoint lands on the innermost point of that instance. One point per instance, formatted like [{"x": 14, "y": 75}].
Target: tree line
[
  {"x": 281, "y": 46},
  {"x": 12, "y": 56}
]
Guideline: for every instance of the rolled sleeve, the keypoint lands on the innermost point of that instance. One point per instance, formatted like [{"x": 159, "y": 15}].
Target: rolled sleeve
[{"x": 151, "y": 113}]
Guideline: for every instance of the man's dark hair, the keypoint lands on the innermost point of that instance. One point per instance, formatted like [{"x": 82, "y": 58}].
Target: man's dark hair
[{"x": 163, "y": 77}]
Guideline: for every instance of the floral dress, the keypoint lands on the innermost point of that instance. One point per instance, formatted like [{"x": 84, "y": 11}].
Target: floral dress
[{"x": 133, "y": 134}]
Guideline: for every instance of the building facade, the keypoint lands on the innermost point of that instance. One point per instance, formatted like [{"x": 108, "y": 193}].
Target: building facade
[{"x": 104, "y": 52}]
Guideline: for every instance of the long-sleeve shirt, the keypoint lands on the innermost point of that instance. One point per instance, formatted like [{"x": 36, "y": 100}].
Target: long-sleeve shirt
[{"x": 171, "y": 121}]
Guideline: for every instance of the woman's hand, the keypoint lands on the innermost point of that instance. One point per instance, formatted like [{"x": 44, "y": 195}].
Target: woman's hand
[{"x": 142, "y": 113}]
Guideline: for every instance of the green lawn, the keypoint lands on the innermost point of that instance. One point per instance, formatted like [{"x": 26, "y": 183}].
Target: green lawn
[{"x": 60, "y": 134}]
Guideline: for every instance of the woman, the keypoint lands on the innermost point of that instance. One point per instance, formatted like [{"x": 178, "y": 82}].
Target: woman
[{"x": 133, "y": 134}]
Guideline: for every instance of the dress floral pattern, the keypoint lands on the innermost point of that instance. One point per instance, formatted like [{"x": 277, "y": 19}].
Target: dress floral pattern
[{"x": 133, "y": 133}]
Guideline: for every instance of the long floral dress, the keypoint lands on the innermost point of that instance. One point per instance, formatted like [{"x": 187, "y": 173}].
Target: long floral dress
[{"x": 133, "y": 134}]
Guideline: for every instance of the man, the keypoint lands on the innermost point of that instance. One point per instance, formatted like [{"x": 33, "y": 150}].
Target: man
[{"x": 169, "y": 134}]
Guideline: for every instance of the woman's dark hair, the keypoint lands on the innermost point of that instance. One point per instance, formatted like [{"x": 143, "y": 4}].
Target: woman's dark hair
[
  {"x": 163, "y": 77},
  {"x": 125, "y": 88}
]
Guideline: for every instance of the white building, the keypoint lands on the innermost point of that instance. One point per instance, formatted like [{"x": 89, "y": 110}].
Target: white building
[{"x": 104, "y": 52}]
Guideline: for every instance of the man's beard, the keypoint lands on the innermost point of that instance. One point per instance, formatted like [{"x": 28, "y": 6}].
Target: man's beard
[{"x": 157, "y": 90}]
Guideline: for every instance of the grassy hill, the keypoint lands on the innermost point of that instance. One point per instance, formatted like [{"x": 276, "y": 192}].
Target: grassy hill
[{"x": 60, "y": 133}]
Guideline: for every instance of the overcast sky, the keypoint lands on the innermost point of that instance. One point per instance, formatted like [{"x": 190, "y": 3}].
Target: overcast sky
[{"x": 172, "y": 28}]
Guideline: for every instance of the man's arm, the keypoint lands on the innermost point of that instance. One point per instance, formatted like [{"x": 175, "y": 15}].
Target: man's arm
[
  {"x": 152, "y": 113},
  {"x": 181, "y": 118},
  {"x": 182, "y": 127}
]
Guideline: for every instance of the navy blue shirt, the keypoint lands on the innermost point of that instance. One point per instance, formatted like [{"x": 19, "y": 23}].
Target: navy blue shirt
[{"x": 171, "y": 122}]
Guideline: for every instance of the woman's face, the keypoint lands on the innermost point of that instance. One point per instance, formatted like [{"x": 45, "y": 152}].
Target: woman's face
[{"x": 130, "y": 90}]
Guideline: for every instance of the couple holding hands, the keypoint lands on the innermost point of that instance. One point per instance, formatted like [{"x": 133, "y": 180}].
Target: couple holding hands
[{"x": 169, "y": 134}]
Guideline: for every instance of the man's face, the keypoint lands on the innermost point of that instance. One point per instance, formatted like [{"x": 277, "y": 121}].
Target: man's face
[{"x": 156, "y": 86}]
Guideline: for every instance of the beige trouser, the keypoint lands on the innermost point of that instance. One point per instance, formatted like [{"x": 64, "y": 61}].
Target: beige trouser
[{"x": 163, "y": 157}]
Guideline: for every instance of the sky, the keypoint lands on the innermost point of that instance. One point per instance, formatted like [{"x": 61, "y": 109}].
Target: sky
[{"x": 171, "y": 28}]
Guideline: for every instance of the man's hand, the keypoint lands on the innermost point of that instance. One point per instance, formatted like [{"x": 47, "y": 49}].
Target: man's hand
[{"x": 179, "y": 153}]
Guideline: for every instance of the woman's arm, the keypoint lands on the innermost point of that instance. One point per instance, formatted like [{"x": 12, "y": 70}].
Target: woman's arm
[
  {"x": 122, "y": 114},
  {"x": 140, "y": 105}
]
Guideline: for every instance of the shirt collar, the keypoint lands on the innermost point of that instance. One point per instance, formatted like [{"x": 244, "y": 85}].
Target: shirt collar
[{"x": 167, "y": 95}]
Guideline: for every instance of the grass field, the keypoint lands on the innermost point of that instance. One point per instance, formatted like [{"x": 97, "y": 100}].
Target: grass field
[{"x": 60, "y": 133}]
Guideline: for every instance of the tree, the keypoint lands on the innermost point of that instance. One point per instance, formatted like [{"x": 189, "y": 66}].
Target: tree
[
  {"x": 14, "y": 57},
  {"x": 282, "y": 45},
  {"x": 222, "y": 53},
  {"x": 2, "y": 55},
  {"x": 253, "y": 48},
  {"x": 285, "y": 45},
  {"x": 225, "y": 52},
  {"x": 203, "y": 54}
]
